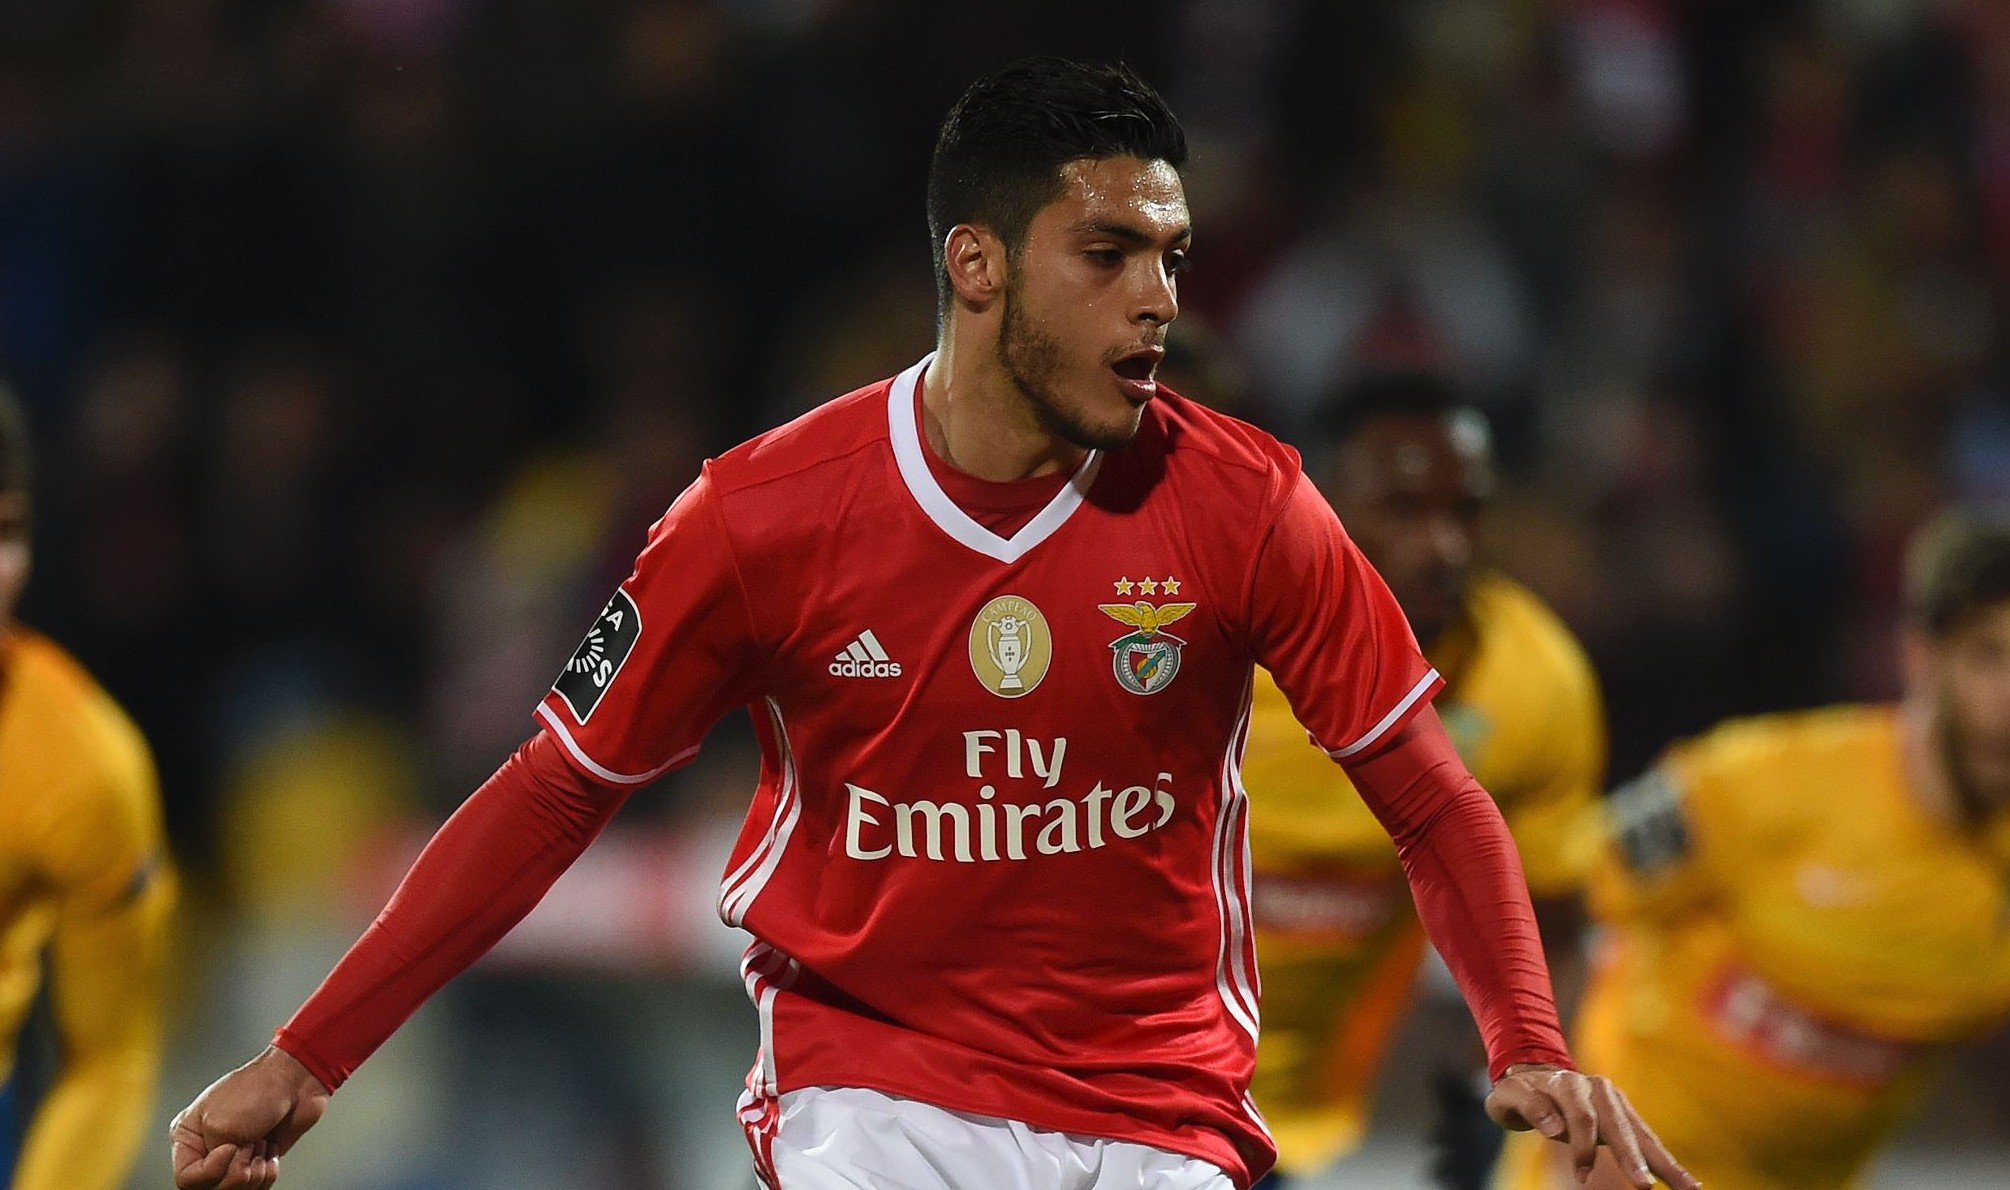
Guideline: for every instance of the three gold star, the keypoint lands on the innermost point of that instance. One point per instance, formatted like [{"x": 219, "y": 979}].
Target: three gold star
[{"x": 1146, "y": 586}]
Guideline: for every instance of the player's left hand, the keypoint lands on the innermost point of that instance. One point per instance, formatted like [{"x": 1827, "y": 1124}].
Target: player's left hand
[{"x": 1584, "y": 1112}]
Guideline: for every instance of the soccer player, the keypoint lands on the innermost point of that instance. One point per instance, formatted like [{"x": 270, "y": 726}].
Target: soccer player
[
  {"x": 1806, "y": 909},
  {"x": 1409, "y": 468},
  {"x": 83, "y": 884},
  {"x": 996, "y": 617}
]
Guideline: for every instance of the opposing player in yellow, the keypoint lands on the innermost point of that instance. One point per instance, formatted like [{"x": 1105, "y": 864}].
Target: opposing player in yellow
[
  {"x": 1804, "y": 910},
  {"x": 1409, "y": 467},
  {"x": 83, "y": 885}
]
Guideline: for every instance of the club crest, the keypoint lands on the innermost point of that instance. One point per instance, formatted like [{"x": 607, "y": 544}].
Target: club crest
[{"x": 1146, "y": 660}]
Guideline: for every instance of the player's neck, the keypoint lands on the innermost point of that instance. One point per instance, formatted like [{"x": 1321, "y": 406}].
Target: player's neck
[{"x": 978, "y": 421}]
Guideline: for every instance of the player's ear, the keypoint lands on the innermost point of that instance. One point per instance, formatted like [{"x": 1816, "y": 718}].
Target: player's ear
[{"x": 975, "y": 259}]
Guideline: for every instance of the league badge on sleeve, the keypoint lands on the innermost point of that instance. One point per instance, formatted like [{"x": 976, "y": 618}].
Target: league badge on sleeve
[
  {"x": 600, "y": 656},
  {"x": 1146, "y": 661}
]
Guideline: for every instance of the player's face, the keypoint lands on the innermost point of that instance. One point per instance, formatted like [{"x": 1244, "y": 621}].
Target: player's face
[
  {"x": 1089, "y": 296},
  {"x": 1410, "y": 491},
  {"x": 1972, "y": 674},
  {"x": 13, "y": 552}
]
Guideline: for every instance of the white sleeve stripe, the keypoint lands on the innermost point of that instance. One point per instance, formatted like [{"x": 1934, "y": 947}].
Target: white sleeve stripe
[
  {"x": 1388, "y": 721},
  {"x": 586, "y": 762}
]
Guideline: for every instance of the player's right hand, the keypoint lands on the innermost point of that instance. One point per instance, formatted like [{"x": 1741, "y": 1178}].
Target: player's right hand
[
  {"x": 1586, "y": 1113},
  {"x": 232, "y": 1136}
]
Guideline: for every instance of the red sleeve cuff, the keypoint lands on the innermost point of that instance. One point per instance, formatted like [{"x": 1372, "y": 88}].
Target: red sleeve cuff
[
  {"x": 295, "y": 1048},
  {"x": 1498, "y": 1068}
]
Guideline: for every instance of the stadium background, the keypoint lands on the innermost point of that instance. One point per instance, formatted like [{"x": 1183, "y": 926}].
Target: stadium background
[{"x": 363, "y": 338}]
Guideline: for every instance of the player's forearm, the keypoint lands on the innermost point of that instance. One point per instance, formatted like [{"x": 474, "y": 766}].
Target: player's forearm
[
  {"x": 481, "y": 874},
  {"x": 1467, "y": 881},
  {"x": 87, "y": 1130},
  {"x": 107, "y": 974}
]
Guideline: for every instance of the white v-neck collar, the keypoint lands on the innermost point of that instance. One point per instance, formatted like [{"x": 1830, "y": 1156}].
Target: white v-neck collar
[{"x": 903, "y": 420}]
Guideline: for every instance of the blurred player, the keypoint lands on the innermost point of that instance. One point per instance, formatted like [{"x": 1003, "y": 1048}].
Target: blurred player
[
  {"x": 83, "y": 883},
  {"x": 1409, "y": 468},
  {"x": 1804, "y": 910},
  {"x": 996, "y": 617}
]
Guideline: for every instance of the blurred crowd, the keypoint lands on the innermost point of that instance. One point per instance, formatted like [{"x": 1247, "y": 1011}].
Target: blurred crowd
[{"x": 364, "y": 338}]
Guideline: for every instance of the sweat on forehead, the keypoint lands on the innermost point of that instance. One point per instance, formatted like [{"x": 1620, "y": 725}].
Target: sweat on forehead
[{"x": 1125, "y": 199}]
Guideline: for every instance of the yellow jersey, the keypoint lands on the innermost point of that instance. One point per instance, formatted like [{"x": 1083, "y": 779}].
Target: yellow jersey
[
  {"x": 82, "y": 880},
  {"x": 1791, "y": 939},
  {"x": 1338, "y": 941}
]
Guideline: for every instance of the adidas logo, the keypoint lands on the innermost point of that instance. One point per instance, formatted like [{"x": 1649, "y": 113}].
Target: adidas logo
[{"x": 864, "y": 658}]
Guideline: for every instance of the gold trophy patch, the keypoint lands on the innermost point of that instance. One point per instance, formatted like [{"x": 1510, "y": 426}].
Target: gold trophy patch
[{"x": 1010, "y": 646}]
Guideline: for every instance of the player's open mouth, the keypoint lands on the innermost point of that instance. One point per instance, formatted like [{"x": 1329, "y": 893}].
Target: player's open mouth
[{"x": 1135, "y": 372}]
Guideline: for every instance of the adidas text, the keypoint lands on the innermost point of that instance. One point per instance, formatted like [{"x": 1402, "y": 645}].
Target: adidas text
[{"x": 849, "y": 668}]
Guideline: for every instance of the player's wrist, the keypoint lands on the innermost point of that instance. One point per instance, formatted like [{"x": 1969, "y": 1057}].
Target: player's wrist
[
  {"x": 1529, "y": 1068},
  {"x": 297, "y": 1075}
]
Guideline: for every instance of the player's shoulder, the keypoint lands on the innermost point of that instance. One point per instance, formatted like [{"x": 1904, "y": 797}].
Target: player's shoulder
[
  {"x": 1515, "y": 623},
  {"x": 1209, "y": 437},
  {"x": 1787, "y": 743},
  {"x": 76, "y": 731},
  {"x": 1228, "y": 456},
  {"x": 43, "y": 674},
  {"x": 1765, "y": 784},
  {"x": 832, "y": 434}
]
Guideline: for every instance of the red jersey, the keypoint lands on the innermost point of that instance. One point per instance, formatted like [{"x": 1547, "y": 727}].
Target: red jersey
[{"x": 997, "y": 857}]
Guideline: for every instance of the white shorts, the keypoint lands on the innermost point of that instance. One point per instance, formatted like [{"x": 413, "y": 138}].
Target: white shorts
[{"x": 849, "y": 1138}]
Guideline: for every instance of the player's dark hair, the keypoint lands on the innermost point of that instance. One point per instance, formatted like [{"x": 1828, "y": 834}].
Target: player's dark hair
[
  {"x": 999, "y": 156},
  {"x": 16, "y": 459},
  {"x": 1959, "y": 565},
  {"x": 1420, "y": 396}
]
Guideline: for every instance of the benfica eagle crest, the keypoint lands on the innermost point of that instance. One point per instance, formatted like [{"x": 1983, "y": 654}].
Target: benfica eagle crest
[{"x": 1147, "y": 659}]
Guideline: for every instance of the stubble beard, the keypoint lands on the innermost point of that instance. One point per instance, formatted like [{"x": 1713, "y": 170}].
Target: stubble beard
[
  {"x": 1979, "y": 798},
  {"x": 1031, "y": 359}
]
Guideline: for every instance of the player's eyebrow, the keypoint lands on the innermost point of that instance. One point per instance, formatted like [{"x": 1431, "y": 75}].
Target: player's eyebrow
[{"x": 1126, "y": 232}]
